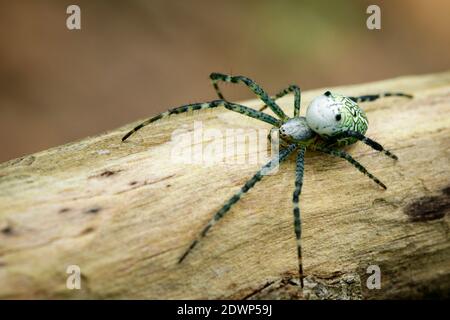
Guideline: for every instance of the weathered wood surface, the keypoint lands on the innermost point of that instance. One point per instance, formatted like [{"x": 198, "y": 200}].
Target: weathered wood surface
[{"x": 124, "y": 212}]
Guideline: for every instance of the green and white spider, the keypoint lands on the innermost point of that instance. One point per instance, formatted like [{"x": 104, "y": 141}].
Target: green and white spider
[{"x": 332, "y": 121}]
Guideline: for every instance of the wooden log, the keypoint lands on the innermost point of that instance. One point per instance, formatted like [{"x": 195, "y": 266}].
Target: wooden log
[{"x": 124, "y": 212}]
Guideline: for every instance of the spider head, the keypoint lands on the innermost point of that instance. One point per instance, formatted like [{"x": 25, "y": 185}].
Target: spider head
[{"x": 331, "y": 113}]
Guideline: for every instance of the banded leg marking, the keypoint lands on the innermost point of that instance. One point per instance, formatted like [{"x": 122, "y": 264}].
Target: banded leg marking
[
  {"x": 207, "y": 105},
  {"x": 181, "y": 109},
  {"x": 297, "y": 98},
  {"x": 253, "y": 113},
  {"x": 216, "y": 77},
  {"x": 373, "y": 97},
  {"x": 371, "y": 143},
  {"x": 346, "y": 156},
  {"x": 237, "y": 196},
  {"x": 297, "y": 217}
]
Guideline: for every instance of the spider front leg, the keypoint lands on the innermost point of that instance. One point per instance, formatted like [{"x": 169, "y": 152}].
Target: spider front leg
[
  {"x": 346, "y": 156},
  {"x": 371, "y": 143},
  {"x": 373, "y": 97},
  {"x": 282, "y": 93},
  {"x": 252, "y": 113},
  {"x": 181, "y": 109},
  {"x": 216, "y": 77},
  {"x": 208, "y": 105},
  {"x": 237, "y": 196},
  {"x": 297, "y": 218}
]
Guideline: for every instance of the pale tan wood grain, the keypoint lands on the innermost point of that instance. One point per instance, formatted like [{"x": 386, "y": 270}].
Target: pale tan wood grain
[{"x": 124, "y": 212}]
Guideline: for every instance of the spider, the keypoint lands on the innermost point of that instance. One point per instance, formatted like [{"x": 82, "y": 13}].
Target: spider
[{"x": 332, "y": 121}]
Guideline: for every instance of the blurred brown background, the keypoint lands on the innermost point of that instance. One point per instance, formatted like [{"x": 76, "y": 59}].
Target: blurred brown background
[{"x": 133, "y": 59}]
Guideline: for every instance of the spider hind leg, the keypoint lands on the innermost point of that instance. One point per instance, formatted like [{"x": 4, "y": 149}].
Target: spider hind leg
[
  {"x": 371, "y": 143},
  {"x": 373, "y": 97}
]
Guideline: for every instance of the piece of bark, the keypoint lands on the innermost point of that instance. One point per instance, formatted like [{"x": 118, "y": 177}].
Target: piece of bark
[{"x": 124, "y": 212}]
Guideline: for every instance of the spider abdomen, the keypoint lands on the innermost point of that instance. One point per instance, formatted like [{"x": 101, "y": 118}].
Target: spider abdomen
[{"x": 332, "y": 114}]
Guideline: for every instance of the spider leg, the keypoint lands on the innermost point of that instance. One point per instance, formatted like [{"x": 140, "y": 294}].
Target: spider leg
[
  {"x": 372, "y": 97},
  {"x": 297, "y": 219},
  {"x": 216, "y": 77},
  {"x": 346, "y": 156},
  {"x": 237, "y": 196},
  {"x": 371, "y": 143},
  {"x": 207, "y": 105},
  {"x": 282, "y": 93},
  {"x": 181, "y": 109},
  {"x": 252, "y": 113}
]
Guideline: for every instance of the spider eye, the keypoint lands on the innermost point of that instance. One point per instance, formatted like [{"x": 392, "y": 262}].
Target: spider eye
[{"x": 338, "y": 117}]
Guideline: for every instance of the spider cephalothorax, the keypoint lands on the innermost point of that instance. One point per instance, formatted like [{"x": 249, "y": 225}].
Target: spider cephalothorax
[
  {"x": 297, "y": 130},
  {"x": 331, "y": 120}
]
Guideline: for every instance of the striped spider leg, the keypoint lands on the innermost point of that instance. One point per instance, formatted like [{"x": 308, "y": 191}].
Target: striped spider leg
[
  {"x": 216, "y": 77},
  {"x": 349, "y": 158},
  {"x": 207, "y": 105},
  {"x": 283, "y": 154},
  {"x": 300, "y": 167},
  {"x": 297, "y": 98},
  {"x": 373, "y": 97}
]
